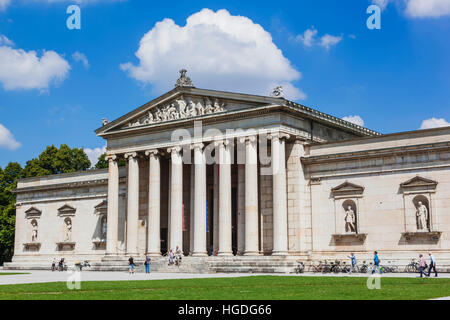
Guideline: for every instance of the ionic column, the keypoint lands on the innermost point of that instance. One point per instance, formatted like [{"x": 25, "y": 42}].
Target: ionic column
[
  {"x": 176, "y": 199},
  {"x": 112, "y": 229},
  {"x": 216, "y": 209},
  {"x": 225, "y": 219},
  {"x": 280, "y": 220},
  {"x": 154, "y": 204},
  {"x": 132, "y": 203},
  {"x": 251, "y": 197},
  {"x": 199, "y": 201},
  {"x": 241, "y": 211}
]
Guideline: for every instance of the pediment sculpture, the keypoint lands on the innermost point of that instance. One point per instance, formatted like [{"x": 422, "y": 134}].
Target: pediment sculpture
[{"x": 182, "y": 108}]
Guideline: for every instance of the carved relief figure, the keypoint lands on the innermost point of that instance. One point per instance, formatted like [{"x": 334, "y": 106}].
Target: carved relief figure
[
  {"x": 34, "y": 230},
  {"x": 350, "y": 220},
  {"x": 422, "y": 217},
  {"x": 67, "y": 230}
]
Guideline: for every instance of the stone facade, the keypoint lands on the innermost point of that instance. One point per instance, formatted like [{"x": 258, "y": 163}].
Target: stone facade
[{"x": 318, "y": 187}]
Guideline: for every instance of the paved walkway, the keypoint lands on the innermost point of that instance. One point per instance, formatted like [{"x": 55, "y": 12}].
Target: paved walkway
[{"x": 48, "y": 276}]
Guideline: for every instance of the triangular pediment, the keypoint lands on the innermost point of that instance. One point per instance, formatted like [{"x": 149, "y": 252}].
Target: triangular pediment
[
  {"x": 419, "y": 183},
  {"x": 347, "y": 188},
  {"x": 185, "y": 103},
  {"x": 33, "y": 212},
  {"x": 66, "y": 210}
]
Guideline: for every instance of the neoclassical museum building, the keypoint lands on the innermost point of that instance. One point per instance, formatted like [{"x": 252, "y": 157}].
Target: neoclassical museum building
[{"x": 241, "y": 182}]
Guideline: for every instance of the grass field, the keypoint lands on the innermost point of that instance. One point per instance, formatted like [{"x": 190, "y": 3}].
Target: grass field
[
  {"x": 247, "y": 288},
  {"x": 11, "y": 273}
]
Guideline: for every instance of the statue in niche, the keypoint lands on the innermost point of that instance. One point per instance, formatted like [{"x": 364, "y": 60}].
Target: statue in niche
[
  {"x": 34, "y": 230},
  {"x": 104, "y": 228},
  {"x": 422, "y": 217},
  {"x": 67, "y": 230},
  {"x": 350, "y": 220}
]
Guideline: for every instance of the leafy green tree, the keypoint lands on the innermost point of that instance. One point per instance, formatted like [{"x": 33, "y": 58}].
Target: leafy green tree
[
  {"x": 102, "y": 162},
  {"x": 54, "y": 161},
  {"x": 8, "y": 181}
]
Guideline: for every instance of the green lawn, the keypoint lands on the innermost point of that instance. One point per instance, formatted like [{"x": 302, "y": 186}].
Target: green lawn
[
  {"x": 247, "y": 288},
  {"x": 11, "y": 273}
]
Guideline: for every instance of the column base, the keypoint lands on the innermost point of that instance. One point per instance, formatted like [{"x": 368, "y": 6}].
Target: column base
[
  {"x": 199, "y": 254},
  {"x": 225, "y": 254},
  {"x": 279, "y": 253},
  {"x": 252, "y": 253}
]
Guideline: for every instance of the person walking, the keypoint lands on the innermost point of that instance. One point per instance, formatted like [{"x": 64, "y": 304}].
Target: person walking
[
  {"x": 422, "y": 266},
  {"x": 147, "y": 263},
  {"x": 131, "y": 264},
  {"x": 53, "y": 264},
  {"x": 353, "y": 263},
  {"x": 432, "y": 265},
  {"x": 376, "y": 263}
]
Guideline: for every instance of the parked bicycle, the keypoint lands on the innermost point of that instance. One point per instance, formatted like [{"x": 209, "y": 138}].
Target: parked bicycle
[
  {"x": 412, "y": 267},
  {"x": 300, "y": 267}
]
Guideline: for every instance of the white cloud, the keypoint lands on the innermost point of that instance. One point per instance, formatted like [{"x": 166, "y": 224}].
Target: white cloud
[
  {"x": 81, "y": 57},
  {"x": 20, "y": 69},
  {"x": 355, "y": 119},
  {"x": 4, "y": 4},
  {"x": 428, "y": 8},
  {"x": 94, "y": 154},
  {"x": 381, "y": 3},
  {"x": 308, "y": 37},
  {"x": 328, "y": 40},
  {"x": 434, "y": 123},
  {"x": 4, "y": 41},
  {"x": 7, "y": 139},
  {"x": 219, "y": 50}
]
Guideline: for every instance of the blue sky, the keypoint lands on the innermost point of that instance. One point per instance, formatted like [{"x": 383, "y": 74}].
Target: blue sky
[{"x": 393, "y": 79}]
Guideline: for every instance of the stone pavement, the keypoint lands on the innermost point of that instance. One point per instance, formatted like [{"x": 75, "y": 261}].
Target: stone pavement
[{"x": 48, "y": 276}]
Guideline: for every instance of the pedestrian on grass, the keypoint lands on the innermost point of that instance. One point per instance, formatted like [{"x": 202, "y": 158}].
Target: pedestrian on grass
[
  {"x": 131, "y": 264},
  {"x": 432, "y": 265}
]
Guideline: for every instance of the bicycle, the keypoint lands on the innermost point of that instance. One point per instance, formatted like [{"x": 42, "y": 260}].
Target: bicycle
[
  {"x": 412, "y": 267},
  {"x": 336, "y": 267},
  {"x": 365, "y": 268},
  {"x": 300, "y": 268}
]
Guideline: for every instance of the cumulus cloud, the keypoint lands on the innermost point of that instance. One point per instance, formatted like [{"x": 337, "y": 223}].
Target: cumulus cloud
[
  {"x": 381, "y": 3},
  {"x": 94, "y": 154},
  {"x": 355, "y": 119},
  {"x": 428, "y": 8},
  {"x": 81, "y": 57},
  {"x": 220, "y": 51},
  {"x": 309, "y": 39},
  {"x": 434, "y": 123},
  {"x": 20, "y": 69},
  {"x": 7, "y": 139}
]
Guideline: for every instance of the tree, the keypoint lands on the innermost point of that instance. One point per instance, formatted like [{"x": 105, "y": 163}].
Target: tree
[
  {"x": 55, "y": 161},
  {"x": 8, "y": 181},
  {"x": 102, "y": 162}
]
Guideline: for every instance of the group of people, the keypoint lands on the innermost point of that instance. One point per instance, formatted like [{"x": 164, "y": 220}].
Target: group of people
[
  {"x": 147, "y": 263},
  {"x": 376, "y": 264},
  {"x": 61, "y": 265},
  {"x": 174, "y": 255}
]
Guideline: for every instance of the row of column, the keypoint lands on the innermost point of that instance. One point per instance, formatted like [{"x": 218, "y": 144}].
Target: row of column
[{"x": 222, "y": 200}]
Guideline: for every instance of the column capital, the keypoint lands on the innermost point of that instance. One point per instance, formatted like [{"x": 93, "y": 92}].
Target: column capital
[
  {"x": 153, "y": 152},
  {"x": 248, "y": 139},
  {"x": 278, "y": 135},
  {"x": 176, "y": 149},
  {"x": 222, "y": 142},
  {"x": 197, "y": 146},
  {"x": 112, "y": 157},
  {"x": 131, "y": 155}
]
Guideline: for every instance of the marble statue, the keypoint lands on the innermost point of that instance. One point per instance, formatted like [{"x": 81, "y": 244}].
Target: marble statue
[
  {"x": 422, "y": 217},
  {"x": 34, "y": 230},
  {"x": 278, "y": 92},
  {"x": 184, "y": 81},
  {"x": 350, "y": 220},
  {"x": 67, "y": 230}
]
